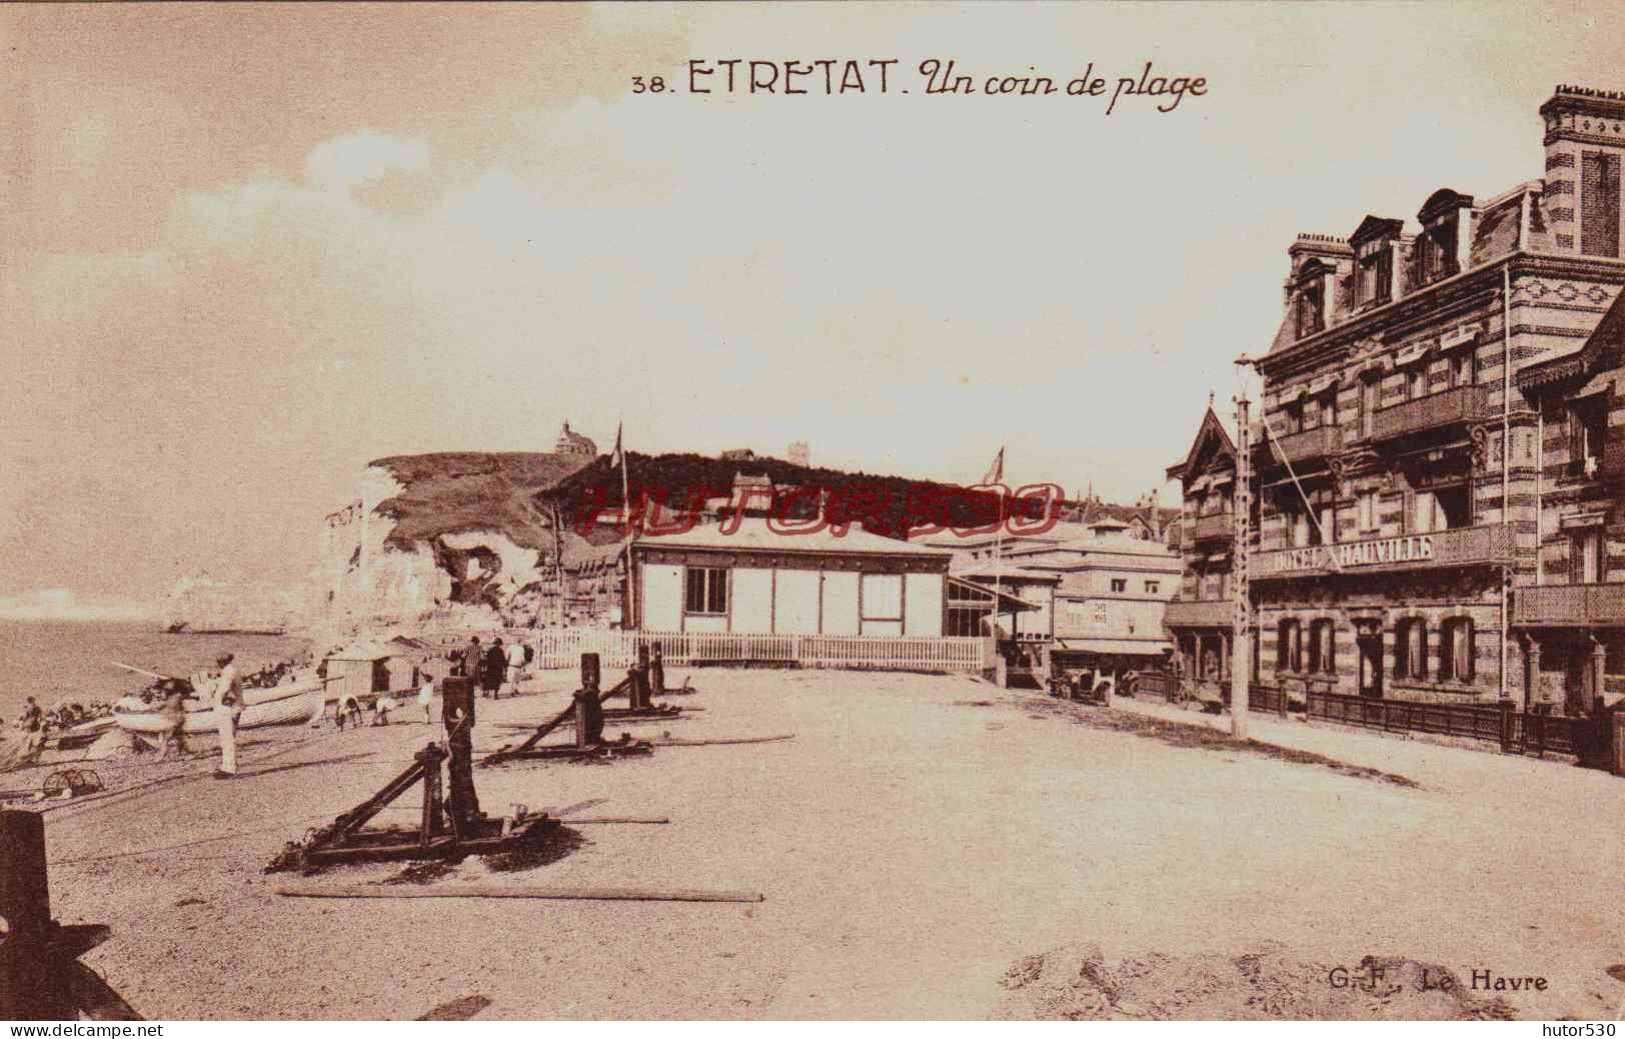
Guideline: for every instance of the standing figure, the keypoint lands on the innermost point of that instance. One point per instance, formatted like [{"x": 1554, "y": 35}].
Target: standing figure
[
  {"x": 517, "y": 653},
  {"x": 174, "y": 711},
  {"x": 495, "y": 669},
  {"x": 468, "y": 660},
  {"x": 426, "y": 696},
  {"x": 227, "y": 698}
]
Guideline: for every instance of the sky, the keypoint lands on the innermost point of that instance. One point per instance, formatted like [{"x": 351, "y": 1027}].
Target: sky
[{"x": 245, "y": 250}]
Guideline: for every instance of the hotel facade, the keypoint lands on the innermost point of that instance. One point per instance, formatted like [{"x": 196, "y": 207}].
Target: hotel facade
[{"x": 1438, "y": 451}]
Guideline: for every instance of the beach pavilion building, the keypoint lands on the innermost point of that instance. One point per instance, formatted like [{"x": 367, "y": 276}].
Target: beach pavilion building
[{"x": 754, "y": 580}]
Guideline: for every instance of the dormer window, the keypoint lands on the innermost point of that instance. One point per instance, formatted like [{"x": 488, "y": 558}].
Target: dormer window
[
  {"x": 1377, "y": 276},
  {"x": 1374, "y": 256},
  {"x": 1438, "y": 248},
  {"x": 1311, "y": 317}
]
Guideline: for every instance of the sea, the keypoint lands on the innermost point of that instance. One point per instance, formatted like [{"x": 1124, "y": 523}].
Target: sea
[{"x": 72, "y": 661}]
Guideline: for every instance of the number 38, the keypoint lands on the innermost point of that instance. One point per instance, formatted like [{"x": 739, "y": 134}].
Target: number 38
[{"x": 654, "y": 85}]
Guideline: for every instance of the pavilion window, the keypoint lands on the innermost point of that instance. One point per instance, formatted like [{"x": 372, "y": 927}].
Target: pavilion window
[
  {"x": 706, "y": 590},
  {"x": 1322, "y": 646}
]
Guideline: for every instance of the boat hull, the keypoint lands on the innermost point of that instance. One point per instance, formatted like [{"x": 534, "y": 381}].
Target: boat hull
[{"x": 282, "y": 705}]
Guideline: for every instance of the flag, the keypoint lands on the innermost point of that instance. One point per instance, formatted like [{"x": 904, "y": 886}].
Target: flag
[
  {"x": 995, "y": 474},
  {"x": 617, "y": 457}
]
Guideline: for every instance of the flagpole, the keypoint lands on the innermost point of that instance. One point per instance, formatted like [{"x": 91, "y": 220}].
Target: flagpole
[
  {"x": 626, "y": 518},
  {"x": 998, "y": 554}
]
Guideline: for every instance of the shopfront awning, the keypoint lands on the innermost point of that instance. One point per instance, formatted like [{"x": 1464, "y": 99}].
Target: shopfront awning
[{"x": 1115, "y": 647}]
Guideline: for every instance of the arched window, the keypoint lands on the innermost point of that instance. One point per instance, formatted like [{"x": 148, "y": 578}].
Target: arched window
[
  {"x": 1411, "y": 648},
  {"x": 1456, "y": 649},
  {"x": 1322, "y": 646}
]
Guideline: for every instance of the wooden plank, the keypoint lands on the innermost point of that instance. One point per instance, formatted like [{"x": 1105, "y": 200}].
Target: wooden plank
[
  {"x": 591, "y": 894},
  {"x": 652, "y": 821},
  {"x": 718, "y": 743}
]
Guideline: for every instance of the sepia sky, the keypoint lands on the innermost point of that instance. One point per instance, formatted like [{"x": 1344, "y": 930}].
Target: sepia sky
[{"x": 244, "y": 250}]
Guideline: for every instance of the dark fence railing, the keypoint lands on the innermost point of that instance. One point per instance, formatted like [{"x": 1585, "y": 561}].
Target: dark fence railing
[{"x": 1499, "y": 723}]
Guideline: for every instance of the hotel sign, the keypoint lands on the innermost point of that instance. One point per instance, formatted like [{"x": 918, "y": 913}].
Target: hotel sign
[{"x": 1416, "y": 548}]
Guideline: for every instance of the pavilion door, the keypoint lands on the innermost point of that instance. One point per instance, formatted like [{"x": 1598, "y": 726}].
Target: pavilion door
[{"x": 1370, "y": 648}]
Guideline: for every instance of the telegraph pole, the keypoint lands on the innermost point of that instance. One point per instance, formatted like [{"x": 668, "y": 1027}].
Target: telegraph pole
[{"x": 1241, "y": 649}]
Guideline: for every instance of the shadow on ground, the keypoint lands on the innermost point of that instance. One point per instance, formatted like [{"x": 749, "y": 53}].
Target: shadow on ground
[{"x": 1201, "y": 737}]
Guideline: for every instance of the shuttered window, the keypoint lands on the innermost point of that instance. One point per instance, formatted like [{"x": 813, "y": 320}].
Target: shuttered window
[
  {"x": 1456, "y": 649},
  {"x": 1599, "y": 204},
  {"x": 1411, "y": 649}
]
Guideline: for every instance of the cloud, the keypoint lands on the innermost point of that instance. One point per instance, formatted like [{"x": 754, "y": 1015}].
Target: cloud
[
  {"x": 345, "y": 163},
  {"x": 61, "y": 604}
]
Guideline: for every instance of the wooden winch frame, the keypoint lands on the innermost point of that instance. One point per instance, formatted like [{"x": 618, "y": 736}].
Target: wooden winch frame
[
  {"x": 586, "y": 708},
  {"x": 446, "y": 829}
]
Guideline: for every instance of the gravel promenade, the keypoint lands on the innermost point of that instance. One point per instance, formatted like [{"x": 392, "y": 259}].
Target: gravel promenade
[{"x": 929, "y": 847}]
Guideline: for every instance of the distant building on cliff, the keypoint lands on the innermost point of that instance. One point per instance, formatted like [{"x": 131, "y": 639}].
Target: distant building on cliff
[
  {"x": 573, "y": 444},
  {"x": 800, "y": 453}
]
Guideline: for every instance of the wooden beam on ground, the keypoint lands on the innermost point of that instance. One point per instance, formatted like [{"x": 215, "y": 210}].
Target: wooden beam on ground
[
  {"x": 721, "y": 742},
  {"x": 652, "y": 821},
  {"x": 608, "y": 894}
]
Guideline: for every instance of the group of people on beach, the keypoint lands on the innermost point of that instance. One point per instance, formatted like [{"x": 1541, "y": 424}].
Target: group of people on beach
[{"x": 495, "y": 669}]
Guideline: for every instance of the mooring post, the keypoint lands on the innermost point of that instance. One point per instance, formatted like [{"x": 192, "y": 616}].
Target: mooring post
[
  {"x": 589, "y": 712},
  {"x": 640, "y": 682},
  {"x": 33, "y": 986}
]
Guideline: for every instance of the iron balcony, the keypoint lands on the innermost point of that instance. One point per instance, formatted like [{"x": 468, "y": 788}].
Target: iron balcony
[
  {"x": 1488, "y": 544},
  {"x": 1442, "y": 410},
  {"x": 1570, "y": 605},
  {"x": 1311, "y": 445}
]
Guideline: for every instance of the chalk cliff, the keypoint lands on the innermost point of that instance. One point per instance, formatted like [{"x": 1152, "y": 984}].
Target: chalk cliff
[{"x": 203, "y": 603}]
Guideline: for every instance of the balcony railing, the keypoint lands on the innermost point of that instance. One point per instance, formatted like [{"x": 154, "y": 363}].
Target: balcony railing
[
  {"x": 1569, "y": 605},
  {"x": 1310, "y": 445},
  {"x": 1219, "y": 527},
  {"x": 1435, "y": 411},
  {"x": 1195, "y": 613},
  {"x": 1467, "y": 546}
]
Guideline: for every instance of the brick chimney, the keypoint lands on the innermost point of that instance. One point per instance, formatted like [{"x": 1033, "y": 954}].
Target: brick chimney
[{"x": 1585, "y": 140}]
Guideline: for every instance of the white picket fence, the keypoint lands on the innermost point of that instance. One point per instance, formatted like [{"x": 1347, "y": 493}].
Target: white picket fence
[{"x": 562, "y": 648}]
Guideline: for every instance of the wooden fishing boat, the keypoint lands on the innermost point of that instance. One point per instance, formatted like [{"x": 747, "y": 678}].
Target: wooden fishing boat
[
  {"x": 289, "y": 704},
  {"x": 78, "y": 736}
]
